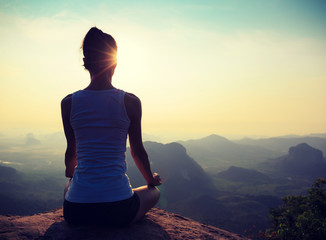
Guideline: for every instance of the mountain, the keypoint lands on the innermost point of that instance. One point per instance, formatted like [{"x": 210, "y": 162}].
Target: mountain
[
  {"x": 188, "y": 190},
  {"x": 31, "y": 140},
  {"x": 41, "y": 190},
  {"x": 322, "y": 135},
  {"x": 24, "y": 194},
  {"x": 8, "y": 173},
  {"x": 215, "y": 153},
  {"x": 282, "y": 144},
  {"x": 244, "y": 175},
  {"x": 156, "y": 225},
  {"x": 236, "y": 201},
  {"x": 178, "y": 171},
  {"x": 302, "y": 160}
]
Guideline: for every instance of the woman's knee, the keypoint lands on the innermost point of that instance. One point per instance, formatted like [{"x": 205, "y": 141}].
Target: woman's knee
[
  {"x": 148, "y": 194},
  {"x": 157, "y": 193},
  {"x": 153, "y": 189}
]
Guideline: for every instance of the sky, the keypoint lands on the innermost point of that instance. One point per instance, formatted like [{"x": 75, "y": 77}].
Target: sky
[{"x": 227, "y": 67}]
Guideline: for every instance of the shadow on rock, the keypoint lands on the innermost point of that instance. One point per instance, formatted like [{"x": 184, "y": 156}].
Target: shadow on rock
[{"x": 145, "y": 229}]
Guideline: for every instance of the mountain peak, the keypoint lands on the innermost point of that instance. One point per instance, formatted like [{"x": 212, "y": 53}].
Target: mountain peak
[
  {"x": 302, "y": 160},
  {"x": 302, "y": 152},
  {"x": 158, "y": 224},
  {"x": 215, "y": 138},
  {"x": 303, "y": 146}
]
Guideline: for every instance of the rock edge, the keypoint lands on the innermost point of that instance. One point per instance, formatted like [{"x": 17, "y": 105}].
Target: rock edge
[{"x": 157, "y": 225}]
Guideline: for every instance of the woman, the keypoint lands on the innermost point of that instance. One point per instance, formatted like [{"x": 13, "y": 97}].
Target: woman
[{"x": 96, "y": 123}]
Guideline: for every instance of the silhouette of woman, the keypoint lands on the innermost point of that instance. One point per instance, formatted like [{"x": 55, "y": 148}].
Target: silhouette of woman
[{"x": 96, "y": 123}]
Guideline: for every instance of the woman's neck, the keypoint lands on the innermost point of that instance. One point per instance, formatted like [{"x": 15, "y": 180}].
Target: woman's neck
[{"x": 100, "y": 82}]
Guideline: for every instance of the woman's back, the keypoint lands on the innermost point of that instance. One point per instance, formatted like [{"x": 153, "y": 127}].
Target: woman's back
[{"x": 100, "y": 123}]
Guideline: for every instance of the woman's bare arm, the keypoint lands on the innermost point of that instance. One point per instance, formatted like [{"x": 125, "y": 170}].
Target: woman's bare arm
[
  {"x": 70, "y": 155},
  {"x": 138, "y": 152}
]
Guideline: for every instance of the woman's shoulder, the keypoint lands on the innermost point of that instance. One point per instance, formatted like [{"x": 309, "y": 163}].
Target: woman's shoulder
[
  {"x": 133, "y": 105},
  {"x": 66, "y": 100},
  {"x": 132, "y": 99},
  {"x": 131, "y": 96}
]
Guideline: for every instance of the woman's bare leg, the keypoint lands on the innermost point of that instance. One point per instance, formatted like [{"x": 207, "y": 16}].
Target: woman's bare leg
[{"x": 148, "y": 196}]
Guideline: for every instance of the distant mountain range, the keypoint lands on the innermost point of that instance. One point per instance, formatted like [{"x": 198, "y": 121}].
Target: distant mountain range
[
  {"x": 187, "y": 189},
  {"x": 302, "y": 161},
  {"x": 215, "y": 153},
  {"x": 230, "y": 184},
  {"x": 282, "y": 144}
]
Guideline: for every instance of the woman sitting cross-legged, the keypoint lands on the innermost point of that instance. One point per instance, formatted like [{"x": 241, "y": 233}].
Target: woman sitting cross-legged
[{"x": 97, "y": 121}]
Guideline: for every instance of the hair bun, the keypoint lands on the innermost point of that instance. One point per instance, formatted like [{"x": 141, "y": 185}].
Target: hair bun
[{"x": 99, "y": 49}]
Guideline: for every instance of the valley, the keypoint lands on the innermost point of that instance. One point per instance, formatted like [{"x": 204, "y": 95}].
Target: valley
[{"x": 228, "y": 184}]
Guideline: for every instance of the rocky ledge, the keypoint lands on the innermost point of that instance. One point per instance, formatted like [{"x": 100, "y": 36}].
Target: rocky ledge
[{"x": 158, "y": 224}]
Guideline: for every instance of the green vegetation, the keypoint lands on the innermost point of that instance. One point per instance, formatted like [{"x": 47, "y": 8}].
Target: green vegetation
[{"x": 300, "y": 217}]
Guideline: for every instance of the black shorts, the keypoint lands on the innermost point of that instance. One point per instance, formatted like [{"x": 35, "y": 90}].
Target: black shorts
[{"x": 115, "y": 214}]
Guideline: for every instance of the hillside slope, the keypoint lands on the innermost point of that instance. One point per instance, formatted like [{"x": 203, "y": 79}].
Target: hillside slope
[{"x": 178, "y": 171}]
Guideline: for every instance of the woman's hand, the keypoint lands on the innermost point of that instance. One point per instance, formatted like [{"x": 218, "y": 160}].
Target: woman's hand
[{"x": 156, "y": 180}]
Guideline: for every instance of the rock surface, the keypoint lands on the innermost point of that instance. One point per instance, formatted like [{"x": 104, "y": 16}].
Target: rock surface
[{"x": 158, "y": 224}]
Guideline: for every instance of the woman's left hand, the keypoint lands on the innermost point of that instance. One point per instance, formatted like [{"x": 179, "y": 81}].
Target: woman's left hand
[{"x": 156, "y": 180}]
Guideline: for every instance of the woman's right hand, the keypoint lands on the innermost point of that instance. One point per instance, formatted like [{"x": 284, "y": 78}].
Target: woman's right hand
[{"x": 156, "y": 181}]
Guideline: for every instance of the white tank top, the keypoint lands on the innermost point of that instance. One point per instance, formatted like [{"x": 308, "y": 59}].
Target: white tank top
[{"x": 100, "y": 123}]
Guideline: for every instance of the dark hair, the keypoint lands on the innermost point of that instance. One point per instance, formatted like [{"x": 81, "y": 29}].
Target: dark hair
[{"x": 100, "y": 50}]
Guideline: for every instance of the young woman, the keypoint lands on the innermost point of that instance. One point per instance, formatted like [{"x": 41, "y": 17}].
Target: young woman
[{"x": 96, "y": 123}]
